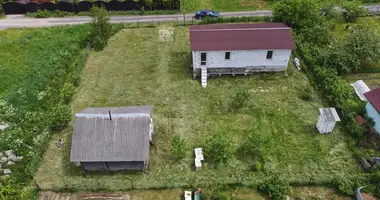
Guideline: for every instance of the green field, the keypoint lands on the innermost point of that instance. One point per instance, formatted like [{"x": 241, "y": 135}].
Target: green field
[
  {"x": 136, "y": 68},
  {"x": 225, "y": 5}
]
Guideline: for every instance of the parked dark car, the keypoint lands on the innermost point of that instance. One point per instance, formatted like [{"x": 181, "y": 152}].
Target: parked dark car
[{"x": 206, "y": 13}]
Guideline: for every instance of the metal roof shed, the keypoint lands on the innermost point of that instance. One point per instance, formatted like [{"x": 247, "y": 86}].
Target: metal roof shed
[
  {"x": 112, "y": 139},
  {"x": 327, "y": 120}
]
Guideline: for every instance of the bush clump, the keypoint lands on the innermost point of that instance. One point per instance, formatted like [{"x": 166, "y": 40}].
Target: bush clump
[
  {"x": 239, "y": 100},
  {"x": 60, "y": 117},
  {"x": 275, "y": 185},
  {"x": 217, "y": 149},
  {"x": 179, "y": 148},
  {"x": 101, "y": 29}
]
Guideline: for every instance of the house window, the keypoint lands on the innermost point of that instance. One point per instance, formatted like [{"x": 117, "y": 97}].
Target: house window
[
  {"x": 269, "y": 54},
  {"x": 203, "y": 58},
  {"x": 227, "y": 55}
]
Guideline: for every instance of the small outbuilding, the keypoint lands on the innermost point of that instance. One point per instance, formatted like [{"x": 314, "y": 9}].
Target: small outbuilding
[
  {"x": 112, "y": 139},
  {"x": 327, "y": 120},
  {"x": 239, "y": 48},
  {"x": 373, "y": 107}
]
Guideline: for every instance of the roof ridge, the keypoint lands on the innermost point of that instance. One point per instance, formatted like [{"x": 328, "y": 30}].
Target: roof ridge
[{"x": 124, "y": 115}]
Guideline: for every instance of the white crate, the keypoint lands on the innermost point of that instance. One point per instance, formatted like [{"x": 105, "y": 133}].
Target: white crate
[
  {"x": 187, "y": 195},
  {"x": 199, "y": 153}
]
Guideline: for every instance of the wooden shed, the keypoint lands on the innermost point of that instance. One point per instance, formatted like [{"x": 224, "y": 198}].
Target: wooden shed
[
  {"x": 239, "y": 48},
  {"x": 112, "y": 139},
  {"x": 327, "y": 120}
]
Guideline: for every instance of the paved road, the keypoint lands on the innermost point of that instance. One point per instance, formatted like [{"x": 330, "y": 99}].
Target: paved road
[{"x": 18, "y": 21}]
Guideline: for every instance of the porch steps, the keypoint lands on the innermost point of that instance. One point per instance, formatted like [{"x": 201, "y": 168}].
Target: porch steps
[{"x": 204, "y": 76}]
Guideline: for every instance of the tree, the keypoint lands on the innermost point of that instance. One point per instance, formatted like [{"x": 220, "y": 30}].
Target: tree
[
  {"x": 217, "y": 149},
  {"x": 352, "y": 10},
  {"x": 297, "y": 13},
  {"x": 360, "y": 47},
  {"x": 100, "y": 28}
]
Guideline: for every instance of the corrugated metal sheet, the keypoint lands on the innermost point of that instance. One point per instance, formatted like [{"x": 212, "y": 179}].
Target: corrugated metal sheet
[
  {"x": 98, "y": 139},
  {"x": 224, "y": 37},
  {"x": 373, "y": 97},
  {"x": 118, "y": 110}
]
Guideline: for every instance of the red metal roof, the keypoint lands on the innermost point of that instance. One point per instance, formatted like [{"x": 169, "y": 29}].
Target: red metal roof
[
  {"x": 373, "y": 97},
  {"x": 218, "y": 37}
]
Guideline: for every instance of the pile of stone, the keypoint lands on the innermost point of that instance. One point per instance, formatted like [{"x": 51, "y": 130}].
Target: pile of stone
[{"x": 7, "y": 159}]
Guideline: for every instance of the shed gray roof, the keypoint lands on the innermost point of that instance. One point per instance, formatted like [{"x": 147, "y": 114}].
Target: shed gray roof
[
  {"x": 96, "y": 138},
  {"x": 329, "y": 114}
]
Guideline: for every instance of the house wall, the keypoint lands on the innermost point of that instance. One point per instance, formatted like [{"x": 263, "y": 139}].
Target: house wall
[
  {"x": 113, "y": 166},
  {"x": 372, "y": 112},
  {"x": 243, "y": 59}
]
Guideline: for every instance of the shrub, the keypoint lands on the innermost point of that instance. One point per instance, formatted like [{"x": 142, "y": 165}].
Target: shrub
[
  {"x": 348, "y": 184},
  {"x": 360, "y": 47},
  {"x": 9, "y": 189},
  {"x": 60, "y": 117},
  {"x": 353, "y": 10},
  {"x": 275, "y": 185},
  {"x": 68, "y": 90},
  {"x": 297, "y": 13},
  {"x": 100, "y": 28},
  {"x": 41, "y": 14},
  {"x": 253, "y": 149},
  {"x": 178, "y": 150},
  {"x": 306, "y": 93},
  {"x": 239, "y": 100},
  {"x": 217, "y": 149}
]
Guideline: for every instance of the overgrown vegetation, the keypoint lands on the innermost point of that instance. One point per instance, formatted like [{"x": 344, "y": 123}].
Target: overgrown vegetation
[
  {"x": 40, "y": 70},
  {"x": 217, "y": 149},
  {"x": 179, "y": 148},
  {"x": 57, "y": 13},
  {"x": 325, "y": 60},
  {"x": 48, "y": 13},
  {"x": 100, "y": 30},
  {"x": 36, "y": 64},
  {"x": 275, "y": 185}
]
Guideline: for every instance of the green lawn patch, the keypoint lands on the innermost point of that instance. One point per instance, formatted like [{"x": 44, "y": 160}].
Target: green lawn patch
[{"x": 138, "y": 69}]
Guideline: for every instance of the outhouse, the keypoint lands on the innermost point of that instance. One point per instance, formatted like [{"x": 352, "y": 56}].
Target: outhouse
[{"x": 327, "y": 120}]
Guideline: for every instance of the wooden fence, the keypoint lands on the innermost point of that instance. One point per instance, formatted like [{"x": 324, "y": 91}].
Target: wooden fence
[{"x": 85, "y": 6}]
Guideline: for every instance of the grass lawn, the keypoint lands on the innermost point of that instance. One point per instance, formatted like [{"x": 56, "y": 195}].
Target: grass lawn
[
  {"x": 225, "y": 5},
  {"x": 138, "y": 69}
]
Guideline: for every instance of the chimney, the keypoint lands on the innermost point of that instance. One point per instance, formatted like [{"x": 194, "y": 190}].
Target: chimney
[{"x": 109, "y": 112}]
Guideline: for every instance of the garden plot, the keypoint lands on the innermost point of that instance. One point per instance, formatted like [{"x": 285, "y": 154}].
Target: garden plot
[{"x": 143, "y": 70}]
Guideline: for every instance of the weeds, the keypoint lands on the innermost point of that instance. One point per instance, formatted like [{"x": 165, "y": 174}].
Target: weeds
[
  {"x": 239, "y": 100},
  {"x": 179, "y": 148}
]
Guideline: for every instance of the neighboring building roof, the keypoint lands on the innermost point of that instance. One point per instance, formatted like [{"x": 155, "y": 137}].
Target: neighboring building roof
[
  {"x": 219, "y": 37},
  {"x": 360, "y": 88},
  {"x": 373, "y": 97},
  {"x": 96, "y": 138},
  {"x": 329, "y": 114}
]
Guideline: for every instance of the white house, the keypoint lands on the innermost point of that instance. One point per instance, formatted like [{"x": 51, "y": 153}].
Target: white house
[
  {"x": 327, "y": 120},
  {"x": 239, "y": 48},
  {"x": 373, "y": 107}
]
